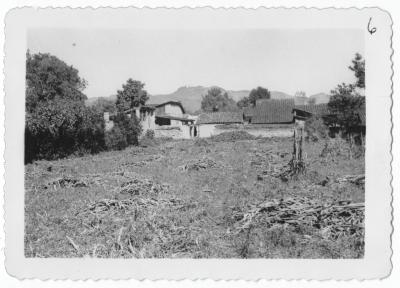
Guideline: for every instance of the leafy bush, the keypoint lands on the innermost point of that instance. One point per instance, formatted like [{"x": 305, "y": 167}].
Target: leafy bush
[
  {"x": 130, "y": 127},
  {"x": 315, "y": 129},
  {"x": 57, "y": 122},
  {"x": 59, "y": 128},
  {"x": 115, "y": 139}
]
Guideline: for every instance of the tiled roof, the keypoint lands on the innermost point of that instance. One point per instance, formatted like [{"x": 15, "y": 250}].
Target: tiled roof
[
  {"x": 315, "y": 109},
  {"x": 273, "y": 111},
  {"x": 248, "y": 111},
  {"x": 220, "y": 118}
]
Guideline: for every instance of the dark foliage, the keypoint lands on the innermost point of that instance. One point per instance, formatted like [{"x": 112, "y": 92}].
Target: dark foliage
[
  {"x": 132, "y": 95},
  {"x": 105, "y": 105},
  {"x": 255, "y": 94},
  {"x": 130, "y": 127},
  {"x": 344, "y": 112},
  {"x": 47, "y": 78},
  {"x": 60, "y": 128},
  {"x": 358, "y": 67},
  {"x": 57, "y": 122},
  {"x": 115, "y": 139},
  {"x": 346, "y": 105},
  {"x": 216, "y": 100},
  {"x": 316, "y": 129}
]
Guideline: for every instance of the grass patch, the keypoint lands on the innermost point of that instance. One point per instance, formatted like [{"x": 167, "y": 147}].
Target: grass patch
[{"x": 139, "y": 203}]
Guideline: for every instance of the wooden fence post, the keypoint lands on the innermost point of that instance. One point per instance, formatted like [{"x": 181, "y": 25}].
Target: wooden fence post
[{"x": 298, "y": 138}]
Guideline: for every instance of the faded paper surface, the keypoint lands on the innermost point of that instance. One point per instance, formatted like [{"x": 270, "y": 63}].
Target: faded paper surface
[{"x": 376, "y": 262}]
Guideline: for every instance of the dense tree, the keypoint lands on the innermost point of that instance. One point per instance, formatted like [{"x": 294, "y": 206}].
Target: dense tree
[
  {"x": 58, "y": 128},
  {"x": 254, "y": 95},
  {"x": 130, "y": 127},
  {"x": 132, "y": 95},
  {"x": 346, "y": 102},
  {"x": 48, "y": 78},
  {"x": 105, "y": 105},
  {"x": 344, "y": 112},
  {"x": 358, "y": 67},
  {"x": 57, "y": 122},
  {"x": 217, "y": 100},
  {"x": 244, "y": 102},
  {"x": 259, "y": 93}
]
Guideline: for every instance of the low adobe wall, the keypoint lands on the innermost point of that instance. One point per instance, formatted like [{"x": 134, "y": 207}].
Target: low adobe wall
[{"x": 258, "y": 130}]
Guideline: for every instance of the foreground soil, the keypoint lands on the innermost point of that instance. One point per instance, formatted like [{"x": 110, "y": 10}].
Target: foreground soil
[{"x": 215, "y": 198}]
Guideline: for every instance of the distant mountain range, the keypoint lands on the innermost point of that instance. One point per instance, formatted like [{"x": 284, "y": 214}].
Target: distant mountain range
[{"x": 190, "y": 97}]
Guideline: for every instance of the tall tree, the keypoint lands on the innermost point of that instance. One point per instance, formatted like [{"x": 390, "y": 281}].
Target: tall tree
[
  {"x": 132, "y": 95},
  {"x": 244, "y": 102},
  {"x": 217, "y": 100},
  {"x": 105, "y": 105},
  {"x": 358, "y": 67},
  {"x": 259, "y": 93},
  {"x": 48, "y": 78},
  {"x": 346, "y": 102},
  {"x": 57, "y": 122}
]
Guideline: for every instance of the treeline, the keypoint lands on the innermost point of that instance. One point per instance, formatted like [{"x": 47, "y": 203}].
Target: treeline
[
  {"x": 217, "y": 100},
  {"x": 58, "y": 123}
]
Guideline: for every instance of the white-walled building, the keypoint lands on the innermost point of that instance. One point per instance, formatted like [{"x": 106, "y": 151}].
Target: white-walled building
[
  {"x": 207, "y": 123},
  {"x": 166, "y": 120}
]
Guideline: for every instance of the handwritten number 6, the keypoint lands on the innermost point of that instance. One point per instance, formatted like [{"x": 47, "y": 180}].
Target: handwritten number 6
[{"x": 371, "y": 30}]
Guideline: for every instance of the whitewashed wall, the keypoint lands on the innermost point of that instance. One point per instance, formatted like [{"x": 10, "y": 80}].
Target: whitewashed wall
[
  {"x": 173, "y": 110},
  {"x": 206, "y": 130}
]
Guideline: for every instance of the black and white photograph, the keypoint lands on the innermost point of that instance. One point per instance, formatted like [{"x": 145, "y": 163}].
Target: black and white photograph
[
  {"x": 226, "y": 143},
  {"x": 232, "y": 144}
]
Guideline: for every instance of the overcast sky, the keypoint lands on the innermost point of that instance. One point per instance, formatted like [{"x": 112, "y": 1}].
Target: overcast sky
[{"x": 284, "y": 60}]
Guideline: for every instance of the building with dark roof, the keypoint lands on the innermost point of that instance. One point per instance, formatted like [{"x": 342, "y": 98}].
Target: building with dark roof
[
  {"x": 273, "y": 111},
  {"x": 303, "y": 112},
  {"x": 220, "y": 118}
]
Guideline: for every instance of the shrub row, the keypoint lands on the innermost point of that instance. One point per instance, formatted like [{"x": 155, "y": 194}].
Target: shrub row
[{"x": 57, "y": 129}]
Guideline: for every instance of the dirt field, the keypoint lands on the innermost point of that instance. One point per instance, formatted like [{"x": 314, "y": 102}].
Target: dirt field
[{"x": 197, "y": 199}]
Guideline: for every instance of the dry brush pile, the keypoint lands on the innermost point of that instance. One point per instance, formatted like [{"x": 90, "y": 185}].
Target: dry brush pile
[
  {"x": 333, "y": 220},
  {"x": 142, "y": 221}
]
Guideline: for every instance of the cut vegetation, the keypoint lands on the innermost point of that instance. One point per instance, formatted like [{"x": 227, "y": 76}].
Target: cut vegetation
[{"x": 220, "y": 197}]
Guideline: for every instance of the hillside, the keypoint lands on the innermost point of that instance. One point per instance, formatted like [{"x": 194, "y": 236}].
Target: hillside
[
  {"x": 320, "y": 98},
  {"x": 191, "y": 97}
]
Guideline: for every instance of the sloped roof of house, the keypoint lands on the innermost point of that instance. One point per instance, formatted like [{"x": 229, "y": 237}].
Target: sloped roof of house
[
  {"x": 177, "y": 103},
  {"x": 273, "y": 111},
  {"x": 220, "y": 118},
  {"x": 315, "y": 109}
]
